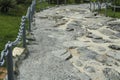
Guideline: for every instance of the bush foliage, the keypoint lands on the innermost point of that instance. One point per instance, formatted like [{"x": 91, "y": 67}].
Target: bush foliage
[
  {"x": 117, "y": 2},
  {"x": 6, "y": 5}
]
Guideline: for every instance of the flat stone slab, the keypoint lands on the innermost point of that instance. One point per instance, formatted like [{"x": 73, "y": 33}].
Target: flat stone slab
[
  {"x": 114, "y": 54},
  {"x": 106, "y": 32},
  {"x": 86, "y": 53},
  {"x": 62, "y": 54},
  {"x": 111, "y": 74}
]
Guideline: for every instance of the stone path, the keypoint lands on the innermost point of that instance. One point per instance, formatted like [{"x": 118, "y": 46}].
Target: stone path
[{"x": 73, "y": 44}]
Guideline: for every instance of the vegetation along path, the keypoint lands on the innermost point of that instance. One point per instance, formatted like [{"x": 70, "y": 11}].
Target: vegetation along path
[{"x": 72, "y": 43}]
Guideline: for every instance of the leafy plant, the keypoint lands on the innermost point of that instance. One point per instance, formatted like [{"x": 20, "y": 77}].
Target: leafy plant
[
  {"x": 23, "y": 1},
  {"x": 5, "y": 5},
  {"x": 116, "y": 2}
]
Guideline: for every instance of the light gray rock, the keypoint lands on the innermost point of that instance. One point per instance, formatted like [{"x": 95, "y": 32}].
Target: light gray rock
[
  {"x": 117, "y": 35},
  {"x": 62, "y": 54},
  {"x": 101, "y": 49},
  {"x": 113, "y": 37},
  {"x": 67, "y": 56},
  {"x": 30, "y": 38},
  {"x": 84, "y": 76},
  {"x": 72, "y": 24},
  {"x": 69, "y": 29},
  {"x": 78, "y": 63},
  {"x": 93, "y": 36},
  {"x": 59, "y": 52},
  {"x": 94, "y": 27},
  {"x": 51, "y": 29},
  {"x": 74, "y": 43},
  {"x": 111, "y": 74},
  {"x": 74, "y": 27},
  {"x": 111, "y": 62},
  {"x": 115, "y": 54},
  {"x": 87, "y": 53},
  {"x": 101, "y": 58},
  {"x": 100, "y": 41},
  {"x": 43, "y": 17},
  {"x": 89, "y": 69},
  {"x": 60, "y": 22},
  {"x": 115, "y": 27},
  {"x": 107, "y": 32}
]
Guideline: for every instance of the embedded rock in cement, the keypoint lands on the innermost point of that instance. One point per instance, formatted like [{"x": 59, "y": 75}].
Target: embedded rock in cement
[
  {"x": 93, "y": 36},
  {"x": 115, "y": 47},
  {"x": 106, "y": 32},
  {"x": 60, "y": 22},
  {"x": 111, "y": 74},
  {"x": 107, "y": 60},
  {"x": 30, "y": 38},
  {"x": 43, "y": 17},
  {"x": 74, "y": 25},
  {"x": 78, "y": 22},
  {"x": 117, "y": 35},
  {"x": 111, "y": 62},
  {"x": 89, "y": 69},
  {"x": 115, "y": 27},
  {"x": 101, "y": 58},
  {"x": 67, "y": 56},
  {"x": 101, "y": 49},
  {"x": 63, "y": 54},
  {"x": 115, "y": 54},
  {"x": 69, "y": 29},
  {"x": 81, "y": 32},
  {"x": 55, "y": 17},
  {"x": 101, "y": 41},
  {"x": 84, "y": 76},
  {"x": 113, "y": 22},
  {"x": 94, "y": 26},
  {"x": 59, "y": 52},
  {"x": 86, "y": 53},
  {"x": 52, "y": 30},
  {"x": 74, "y": 43},
  {"x": 113, "y": 37},
  {"x": 78, "y": 63}
]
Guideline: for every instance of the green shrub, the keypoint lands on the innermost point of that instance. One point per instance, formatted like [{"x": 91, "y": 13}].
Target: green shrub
[
  {"x": 5, "y": 5},
  {"x": 70, "y": 1},
  {"x": 23, "y": 1},
  {"x": 117, "y": 2}
]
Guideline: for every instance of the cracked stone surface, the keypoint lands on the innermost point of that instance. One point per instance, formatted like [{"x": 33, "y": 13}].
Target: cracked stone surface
[{"x": 70, "y": 43}]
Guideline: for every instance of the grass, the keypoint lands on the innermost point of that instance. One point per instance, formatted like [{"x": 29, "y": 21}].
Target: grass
[
  {"x": 110, "y": 13},
  {"x": 43, "y": 5},
  {"x": 9, "y": 24}
]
